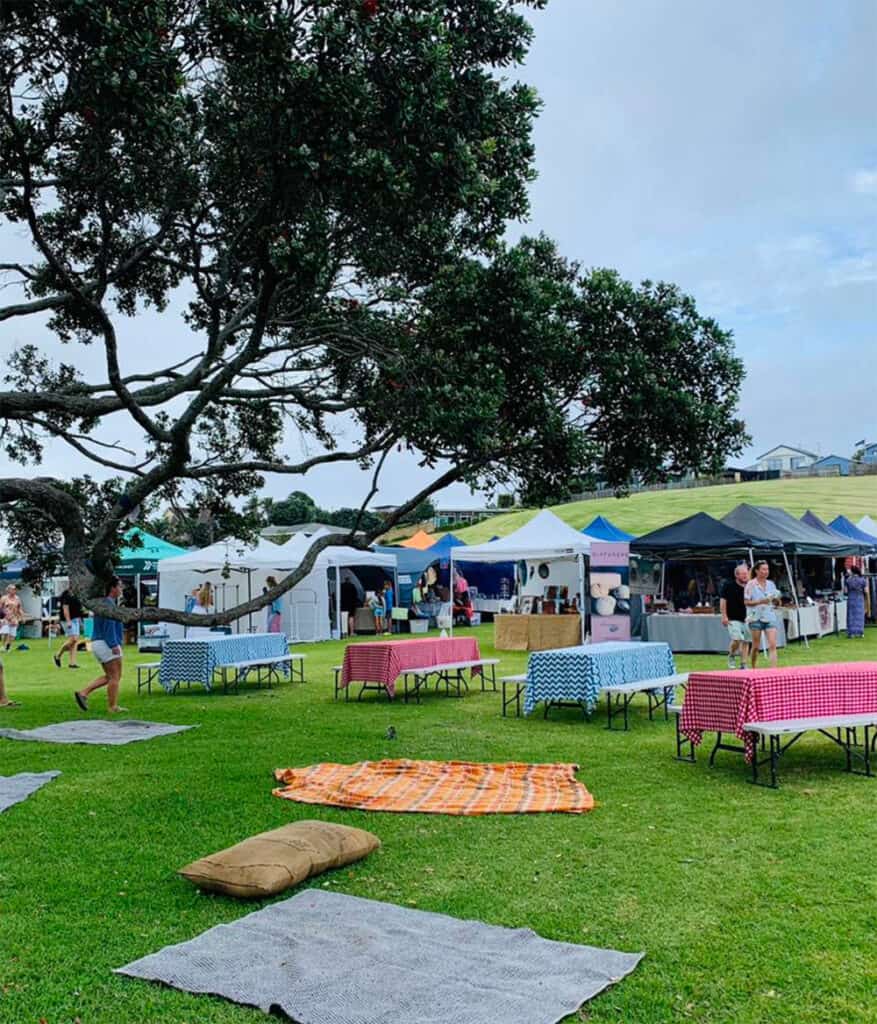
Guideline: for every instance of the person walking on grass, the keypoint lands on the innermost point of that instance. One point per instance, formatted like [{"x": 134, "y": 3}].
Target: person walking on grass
[
  {"x": 106, "y": 646},
  {"x": 760, "y": 596},
  {"x": 733, "y": 611},
  {"x": 5, "y": 702},
  {"x": 71, "y": 624},
  {"x": 13, "y": 613}
]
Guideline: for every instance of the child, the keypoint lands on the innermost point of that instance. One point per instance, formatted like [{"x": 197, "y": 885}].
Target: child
[
  {"x": 388, "y": 605},
  {"x": 377, "y": 606}
]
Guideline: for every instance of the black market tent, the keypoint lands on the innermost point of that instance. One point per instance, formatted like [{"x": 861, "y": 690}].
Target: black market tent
[
  {"x": 852, "y": 547},
  {"x": 699, "y": 537},
  {"x": 791, "y": 534}
]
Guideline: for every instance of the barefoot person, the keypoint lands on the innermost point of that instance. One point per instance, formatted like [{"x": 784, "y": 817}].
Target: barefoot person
[
  {"x": 13, "y": 613},
  {"x": 760, "y": 596},
  {"x": 71, "y": 624},
  {"x": 5, "y": 702},
  {"x": 734, "y": 616},
  {"x": 106, "y": 646}
]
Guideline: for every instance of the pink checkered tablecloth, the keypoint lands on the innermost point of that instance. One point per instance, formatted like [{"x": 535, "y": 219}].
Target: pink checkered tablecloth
[
  {"x": 726, "y": 701},
  {"x": 384, "y": 661}
]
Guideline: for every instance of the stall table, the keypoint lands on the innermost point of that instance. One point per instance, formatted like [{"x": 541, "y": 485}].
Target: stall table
[
  {"x": 576, "y": 675},
  {"x": 536, "y": 632},
  {"x": 382, "y": 662},
  {"x": 196, "y": 659},
  {"x": 816, "y": 619},
  {"x": 724, "y": 702},
  {"x": 689, "y": 633}
]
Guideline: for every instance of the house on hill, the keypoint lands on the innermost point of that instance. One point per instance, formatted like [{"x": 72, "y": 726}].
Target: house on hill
[
  {"x": 869, "y": 454},
  {"x": 830, "y": 461},
  {"x": 785, "y": 458}
]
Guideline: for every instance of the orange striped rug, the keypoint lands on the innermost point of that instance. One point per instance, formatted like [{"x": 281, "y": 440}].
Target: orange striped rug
[{"x": 438, "y": 787}]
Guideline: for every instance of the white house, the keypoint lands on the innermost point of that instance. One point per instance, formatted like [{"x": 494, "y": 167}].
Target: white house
[
  {"x": 869, "y": 454},
  {"x": 785, "y": 458}
]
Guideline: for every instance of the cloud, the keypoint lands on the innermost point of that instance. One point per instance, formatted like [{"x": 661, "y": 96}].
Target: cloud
[{"x": 864, "y": 182}]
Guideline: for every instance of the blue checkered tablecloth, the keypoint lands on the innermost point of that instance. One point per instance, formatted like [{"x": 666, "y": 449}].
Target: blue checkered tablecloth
[
  {"x": 578, "y": 674},
  {"x": 194, "y": 660}
]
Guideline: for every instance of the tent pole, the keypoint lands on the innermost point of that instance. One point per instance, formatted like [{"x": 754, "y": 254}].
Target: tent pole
[
  {"x": 834, "y": 603},
  {"x": 663, "y": 570},
  {"x": 249, "y": 598},
  {"x": 338, "y": 600},
  {"x": 795, "y": 597},
  {"x": 451, "y": 583},
  {"x": 137, "y": 587},
  {"x": 582, "y": 592}
]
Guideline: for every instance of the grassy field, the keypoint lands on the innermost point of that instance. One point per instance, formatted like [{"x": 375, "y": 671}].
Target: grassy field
[
  {"x": 853, "y": 497},
  {"x": 751, "y": 905}
]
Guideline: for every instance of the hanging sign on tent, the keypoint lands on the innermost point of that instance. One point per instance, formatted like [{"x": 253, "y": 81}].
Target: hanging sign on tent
[{"x": 610, "y": 591}]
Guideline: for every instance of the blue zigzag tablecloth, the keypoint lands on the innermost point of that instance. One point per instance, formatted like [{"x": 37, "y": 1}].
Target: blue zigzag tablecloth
[
  {"x": 195, "y": 660},
  {"x": 579, "y": 673}
]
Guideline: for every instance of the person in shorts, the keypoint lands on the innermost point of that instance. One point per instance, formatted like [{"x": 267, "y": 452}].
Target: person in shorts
[
  {"x": 733, "y": 609},
  {"x": 71, "y": 625},
  {"x": 760, "y": 596},
  {"x": 106, "y": 646},
  {"x": 13, "y": 614}
]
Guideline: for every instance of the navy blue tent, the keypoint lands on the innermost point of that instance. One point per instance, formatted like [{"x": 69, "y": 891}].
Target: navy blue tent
[
  {"x": 13, "y": 570},
  {"x": 854, "y": 547},
  {"x": 602, "y": 529},
  {"x": 849, "y": 529}
]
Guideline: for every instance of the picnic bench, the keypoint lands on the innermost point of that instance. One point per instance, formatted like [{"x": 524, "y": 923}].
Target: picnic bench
[
  {"x": 266, "y": 669},
  {"x": 659, "y": 692},
  {"x": 840, "y": 729},
  {"x": 146, "y": 673},
  {"x": 451, "y": 674}
]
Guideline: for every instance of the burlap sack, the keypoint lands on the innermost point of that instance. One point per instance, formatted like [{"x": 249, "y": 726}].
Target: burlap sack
[{"x": 270, "y": 862}]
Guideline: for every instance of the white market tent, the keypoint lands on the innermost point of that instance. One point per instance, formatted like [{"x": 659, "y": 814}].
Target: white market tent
[
  {"x": 544, "y": 538},
  {"x": 867, "y": 525},
  {"x": 239, "y": 571}
]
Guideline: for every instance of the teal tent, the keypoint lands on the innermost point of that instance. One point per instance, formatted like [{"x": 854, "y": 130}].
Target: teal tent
[{"x": 142, "y": 550}]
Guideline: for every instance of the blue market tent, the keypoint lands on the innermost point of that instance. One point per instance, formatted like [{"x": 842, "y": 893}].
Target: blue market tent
[
  {"x": 849, "y": 529},
  {"x": 603, "y": 529},
  {"x": 13, "y": 570},
  {"x": 854, "y": 547}
]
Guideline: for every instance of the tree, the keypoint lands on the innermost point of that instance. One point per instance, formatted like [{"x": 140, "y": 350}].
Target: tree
[
  {"x": 297, "y": 507},
  {"x": 321, "y": 185}
]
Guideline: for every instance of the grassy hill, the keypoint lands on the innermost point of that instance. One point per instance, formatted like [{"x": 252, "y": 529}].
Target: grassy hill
[{"x": 853, "y": 497}]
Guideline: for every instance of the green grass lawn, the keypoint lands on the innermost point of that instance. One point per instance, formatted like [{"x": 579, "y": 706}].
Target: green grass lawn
[
  {"x": 828, "y": 497},
  {"x": 751, "y": 905}
]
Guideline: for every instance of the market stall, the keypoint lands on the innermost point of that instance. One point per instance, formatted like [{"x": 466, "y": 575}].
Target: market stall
[
  {"x": 550, "y": 585},
  {"x": 694, "y": 556}
]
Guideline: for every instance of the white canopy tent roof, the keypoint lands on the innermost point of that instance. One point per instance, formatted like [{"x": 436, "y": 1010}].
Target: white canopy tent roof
[
  {"x": 545, "y": 536},
  {"x": 337, "y": 556},
  {"x": 867, "y": 525},
  {"x": 235, "y": 554}
]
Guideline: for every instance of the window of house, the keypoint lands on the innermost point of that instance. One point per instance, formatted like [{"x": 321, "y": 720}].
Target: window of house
[{"x": 774, "y": 463}]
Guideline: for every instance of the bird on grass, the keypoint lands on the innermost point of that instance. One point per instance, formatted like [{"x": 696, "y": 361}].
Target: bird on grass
[{"x": 391, "y": 732}]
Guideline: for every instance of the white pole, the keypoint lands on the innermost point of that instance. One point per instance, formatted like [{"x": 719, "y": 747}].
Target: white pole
[
  {"x": 582, "y": 598},
  {"x": 795, "y": 596},
  {"x": 451, "y": 583},
  {"x": 663, "y": 569},
  {"x": 338, "y": 600}
]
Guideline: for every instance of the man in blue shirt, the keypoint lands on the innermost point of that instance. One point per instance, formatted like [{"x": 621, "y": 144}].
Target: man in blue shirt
[{"x": 106, "y": 646}]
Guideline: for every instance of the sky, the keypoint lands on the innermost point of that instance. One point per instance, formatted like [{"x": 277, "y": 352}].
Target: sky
[{"x": 730, "y": 148}]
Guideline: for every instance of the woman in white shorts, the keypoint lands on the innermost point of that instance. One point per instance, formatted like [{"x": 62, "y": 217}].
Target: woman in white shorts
[
  {"x": 760, "y": 596},
  {"x": 106, "y": 646}
]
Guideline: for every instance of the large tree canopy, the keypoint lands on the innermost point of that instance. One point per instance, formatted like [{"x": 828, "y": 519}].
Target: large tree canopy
[{"x": 322, "y": 186}]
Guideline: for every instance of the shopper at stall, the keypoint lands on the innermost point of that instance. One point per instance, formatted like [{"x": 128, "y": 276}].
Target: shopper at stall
[
  {"x": 71, "y": 625},
  {"x": 760, "y": 597},
  {"x": 376, "y": 603},
  {"x": 733, "y": 611},
  {"x": 106, "y": 646},
  {"x": 349, "y": 603},
  {"x": 855, "y": 585},
  {"x": 274, "y": 613},
  {"x": 13, "y": 615},
  {"x": 389, "y": 601}
]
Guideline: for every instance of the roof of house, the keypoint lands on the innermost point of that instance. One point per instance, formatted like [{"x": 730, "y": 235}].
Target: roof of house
[
  {"x": 791, "y": 448},
  {"x": 825, "y": 458}
]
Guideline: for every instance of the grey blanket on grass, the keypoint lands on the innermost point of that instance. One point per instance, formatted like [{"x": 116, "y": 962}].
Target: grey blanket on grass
[
  {"x": 326, "y": 958},
  {"x": 113, "y": 733},
  {"x": 15, "y": 788}
]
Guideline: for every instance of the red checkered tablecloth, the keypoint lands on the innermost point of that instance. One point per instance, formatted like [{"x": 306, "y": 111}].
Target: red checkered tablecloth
[
  {"x": 384, "y": 661},
  {"x": 726, "y": 701}
]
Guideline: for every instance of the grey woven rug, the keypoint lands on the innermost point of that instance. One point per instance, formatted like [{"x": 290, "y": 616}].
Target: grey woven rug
[
  {"x": 15, "y": 788},
  {"x": 326, "y": 958},
  {"x": 85, "y": 730}
]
